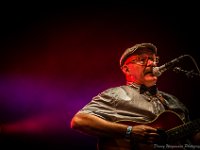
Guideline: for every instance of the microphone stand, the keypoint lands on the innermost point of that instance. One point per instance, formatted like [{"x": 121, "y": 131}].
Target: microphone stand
[{"x": 189, "y": 74}]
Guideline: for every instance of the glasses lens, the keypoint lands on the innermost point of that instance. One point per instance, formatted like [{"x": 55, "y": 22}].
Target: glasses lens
[
  {"x": 144, "y": 59},
  {"x": 157, "y": 59}
]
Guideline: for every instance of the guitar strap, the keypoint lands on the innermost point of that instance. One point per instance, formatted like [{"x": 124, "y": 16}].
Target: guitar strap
[{"x": 162, "y": 100}]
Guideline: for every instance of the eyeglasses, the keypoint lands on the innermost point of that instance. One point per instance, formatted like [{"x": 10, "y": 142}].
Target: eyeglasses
[{"x": 142, "y": 60}]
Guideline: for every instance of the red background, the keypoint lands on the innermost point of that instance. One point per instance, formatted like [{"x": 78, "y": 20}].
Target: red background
[{"x": 55, "y": 59}]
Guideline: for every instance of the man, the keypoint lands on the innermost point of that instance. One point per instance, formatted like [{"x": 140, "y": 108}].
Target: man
[{"x": 135, "y": 115}]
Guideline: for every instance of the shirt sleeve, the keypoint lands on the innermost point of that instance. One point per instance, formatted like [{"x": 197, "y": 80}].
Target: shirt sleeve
[{"x": 103, "y": 105}]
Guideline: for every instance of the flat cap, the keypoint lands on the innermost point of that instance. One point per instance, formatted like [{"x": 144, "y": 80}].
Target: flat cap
[{"x": 129, "y": 51}]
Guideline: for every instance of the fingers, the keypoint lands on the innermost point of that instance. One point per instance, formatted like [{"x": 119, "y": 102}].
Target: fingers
[
  {"x": 149, "y": 129},
  {"x": 145, "y": 134},
  {"x": 151, "y": 137}
]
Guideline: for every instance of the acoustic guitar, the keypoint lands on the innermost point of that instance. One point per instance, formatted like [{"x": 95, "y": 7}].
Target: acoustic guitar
[{"x": 171, "y": 127}]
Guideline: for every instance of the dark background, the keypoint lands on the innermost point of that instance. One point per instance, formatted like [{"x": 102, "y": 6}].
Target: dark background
[{"x": 56, "y": 57}]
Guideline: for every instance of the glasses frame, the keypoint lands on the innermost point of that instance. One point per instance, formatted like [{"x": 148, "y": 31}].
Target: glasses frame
[{"x": 142, "y": 60}]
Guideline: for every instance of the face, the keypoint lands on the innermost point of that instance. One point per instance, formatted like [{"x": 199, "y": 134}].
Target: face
[{"x": 138, "y": 68}]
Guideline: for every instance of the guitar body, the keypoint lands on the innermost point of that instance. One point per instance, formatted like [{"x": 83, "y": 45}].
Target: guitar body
[{"x": 165, "y": 121}]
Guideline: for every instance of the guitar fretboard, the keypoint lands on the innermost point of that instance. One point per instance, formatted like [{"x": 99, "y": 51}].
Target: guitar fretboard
[{"x": 184, "y": 130}]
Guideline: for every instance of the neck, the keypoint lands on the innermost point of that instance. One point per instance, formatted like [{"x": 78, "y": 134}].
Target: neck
[
  {"x": 132, "y": 82},
  {"x": 136, "y": 83}
]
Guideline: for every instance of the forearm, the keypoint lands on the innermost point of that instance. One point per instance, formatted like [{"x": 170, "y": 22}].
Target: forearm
[{"x": 95, "y": 126}]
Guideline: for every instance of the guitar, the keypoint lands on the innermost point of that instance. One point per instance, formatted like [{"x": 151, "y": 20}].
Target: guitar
[{"x": 169, "y": 122}]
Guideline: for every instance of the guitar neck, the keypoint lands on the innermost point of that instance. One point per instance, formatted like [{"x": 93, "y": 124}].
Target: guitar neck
[{"x": 183, "y": 131}]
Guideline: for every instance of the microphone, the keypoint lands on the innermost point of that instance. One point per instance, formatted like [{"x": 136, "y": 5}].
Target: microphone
[{"x": 157, "y": 71}]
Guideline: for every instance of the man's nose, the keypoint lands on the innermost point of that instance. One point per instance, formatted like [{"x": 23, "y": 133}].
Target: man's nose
[{"x": 151, "y": 63}]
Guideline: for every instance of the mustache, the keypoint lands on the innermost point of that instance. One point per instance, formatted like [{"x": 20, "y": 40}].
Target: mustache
[{"x": 148, "y": 70}]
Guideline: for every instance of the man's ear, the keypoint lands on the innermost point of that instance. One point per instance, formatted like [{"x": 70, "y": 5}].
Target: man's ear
[{"x": 125, "y": 69}]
